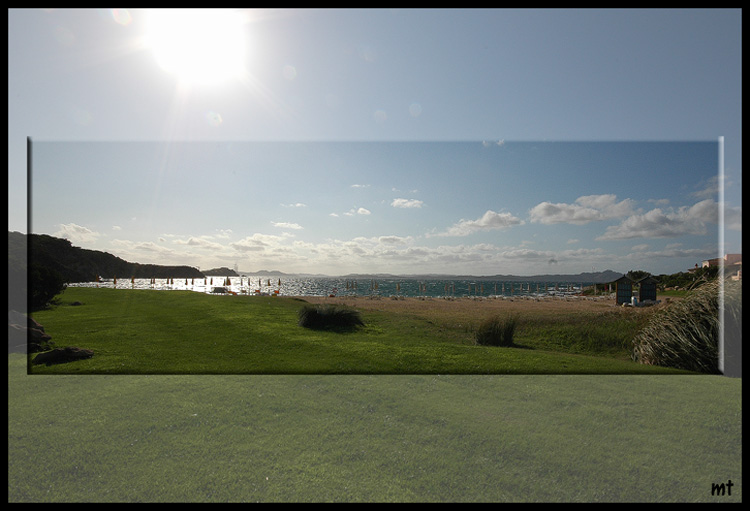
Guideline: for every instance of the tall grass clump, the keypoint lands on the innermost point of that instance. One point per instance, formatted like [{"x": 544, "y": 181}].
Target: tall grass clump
[
  {"x": 334, "y": 317},
  {"x": 496, "y": 331},
  {"x": 683, "y": 335}
]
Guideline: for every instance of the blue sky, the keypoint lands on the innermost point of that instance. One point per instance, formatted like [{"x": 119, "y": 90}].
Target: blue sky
[{"x": 400, "y": 141}]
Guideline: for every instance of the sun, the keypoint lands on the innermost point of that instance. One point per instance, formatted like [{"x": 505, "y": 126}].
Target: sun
[{"x": 198, "y": 46}]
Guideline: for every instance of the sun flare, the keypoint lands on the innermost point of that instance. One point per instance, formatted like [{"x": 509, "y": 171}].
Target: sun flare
[{"x": 198, "y": 46}]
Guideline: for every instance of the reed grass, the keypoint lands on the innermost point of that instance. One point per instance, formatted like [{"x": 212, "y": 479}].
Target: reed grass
[
  {"x": 684, "y": 334},
  {"x": 332, "y": 317},
  {"x": 496, "y": 331}
]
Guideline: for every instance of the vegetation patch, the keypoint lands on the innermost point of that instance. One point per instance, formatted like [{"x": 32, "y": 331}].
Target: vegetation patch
[
  {"x": 496, "y": 331},
  {"x": 684, "y": 335},
  {"x": 329, "y": 317},
  {"x": 183, "y": 332}
]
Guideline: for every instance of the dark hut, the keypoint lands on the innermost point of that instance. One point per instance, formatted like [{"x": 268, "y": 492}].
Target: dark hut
[
  {"x": 623, "y": 290},
  {"x": 647, "y": 289}
]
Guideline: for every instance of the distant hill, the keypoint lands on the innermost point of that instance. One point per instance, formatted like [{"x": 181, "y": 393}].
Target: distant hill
[
  {"x": 83, "y": 265},
  {"x": 77, "y": 264},
  {"x": 601, "y": 277},
  {"x": 268, "y": 273},
  {"x": 220, "y": 272}
]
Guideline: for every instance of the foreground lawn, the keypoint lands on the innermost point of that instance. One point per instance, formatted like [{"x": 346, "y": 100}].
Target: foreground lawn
[
  {"x": 367, "y": 438},
  {"x": 175, "y": 332}
]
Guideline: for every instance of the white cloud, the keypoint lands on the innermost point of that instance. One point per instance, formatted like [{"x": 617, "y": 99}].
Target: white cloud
[
  {"x": 709, "y": 189},
  {"x": 659, "y": 202},
  {"x": 201, "y": 242},
  {"x": 588, "y": 208},
  {"x": 733, "y": 218},
  {"x": 358, "y": 211},
  {"x": 133, "y": 251},
  {"x": 287, "y": 225},
  {"x": 255, "y": 243},
  {"x": 150, "y": 246},
  {"x": 487, "y": 222},
  {"x": 407, "y": 203},
  {"x": 672, "y": 253},
  {"x": 394, "y": 240},
  {"x": 77, "y": 233},
  {"x": 659, "y": 223}
]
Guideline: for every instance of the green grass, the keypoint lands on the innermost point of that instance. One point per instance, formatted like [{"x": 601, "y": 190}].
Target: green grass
[
  {"x": 172, "y": 332},
  {"x": 367, "y": 438}
]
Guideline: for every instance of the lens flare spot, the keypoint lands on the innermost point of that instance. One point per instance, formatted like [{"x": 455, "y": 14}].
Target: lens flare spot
[
  {"x": 380, "y": 116},
  {"x": 214, "y": 119},
  {"x": 122, "y": 17},
  {"x": 289, "y": 72}
]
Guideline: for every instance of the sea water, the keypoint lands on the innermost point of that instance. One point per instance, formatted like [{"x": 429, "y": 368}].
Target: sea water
[{"x": 342, "y": 286}]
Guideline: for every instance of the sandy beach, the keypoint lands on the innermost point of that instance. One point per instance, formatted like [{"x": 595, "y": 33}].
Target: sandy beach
[{"x": 472, "y": 309}]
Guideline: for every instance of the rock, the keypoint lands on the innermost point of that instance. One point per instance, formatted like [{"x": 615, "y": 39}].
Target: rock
[
  {"x": 25, "y": 335},
  {"x": 62, "y": 355},
  {"x": 38, "y": 340},
  {"x": 33, "y": 324}
]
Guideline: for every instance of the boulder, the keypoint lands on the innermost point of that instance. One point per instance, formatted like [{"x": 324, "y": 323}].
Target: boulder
[
  {"x": 25, "y": 335},
  {"x": 38, "y": 340},
  {"x": 62, "y": 355},
  {"x": 32, "y": 323}
]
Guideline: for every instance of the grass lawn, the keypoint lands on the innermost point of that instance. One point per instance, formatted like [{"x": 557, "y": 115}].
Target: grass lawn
[
  {"x": 365, "y": 437},
  {"x": 176, "y": 332},
  {"x": 372, "y": 438}
]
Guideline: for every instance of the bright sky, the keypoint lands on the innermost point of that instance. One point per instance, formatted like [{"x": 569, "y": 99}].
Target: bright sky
[{"x": 351, "y": 141}]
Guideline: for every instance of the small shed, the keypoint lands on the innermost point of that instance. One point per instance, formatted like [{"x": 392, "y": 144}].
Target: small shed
[
  {"x": 647, "y": 289},
  {"x": 623, "y": 290}
]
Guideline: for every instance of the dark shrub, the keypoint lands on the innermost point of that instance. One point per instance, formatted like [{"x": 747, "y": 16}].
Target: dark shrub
[
  {"x": 44, "y": 284},
  {"x": 496, "y": 331},
  {"x": 329, "y": 317}
]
